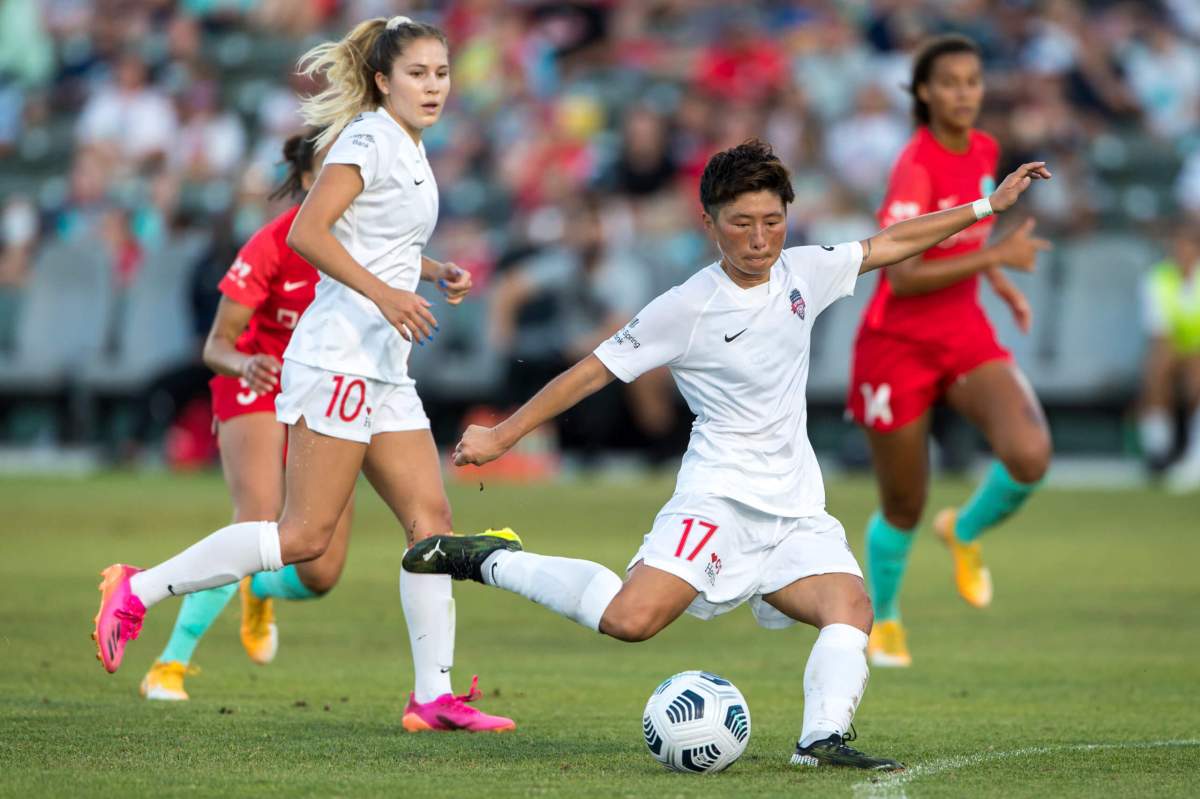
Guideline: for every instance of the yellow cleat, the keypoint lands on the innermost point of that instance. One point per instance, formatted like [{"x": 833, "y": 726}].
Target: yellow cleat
[
  {"x": 888, "y": 647},
  {"x": 164, "y": 681},
  {"x": 260, "y": 636},
  {"x": 973, "y": 579}
]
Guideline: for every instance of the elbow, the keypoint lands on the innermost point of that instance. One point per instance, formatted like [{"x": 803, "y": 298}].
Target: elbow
[{"x": 295, "y": 243}]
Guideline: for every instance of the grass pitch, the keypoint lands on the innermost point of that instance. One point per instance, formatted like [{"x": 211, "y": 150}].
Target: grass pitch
[{"x": 1081, "y": 680}]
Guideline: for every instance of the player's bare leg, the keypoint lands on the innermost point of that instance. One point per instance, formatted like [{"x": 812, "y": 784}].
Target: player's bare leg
[
  {"x": 405, "y": 471},
  {"x": 1156, "y": 422},
  {"x": 251, "y": 449},
  {"x": 647, "y": 603},
  {"x": 836, "y": 674},
  {"x": 997, "y": 399},
  {"x": 901, "y": 463}
]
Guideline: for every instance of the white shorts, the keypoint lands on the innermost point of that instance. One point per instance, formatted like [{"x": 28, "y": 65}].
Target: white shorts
[
  {"x": 345, "y": 406},
  {"x": 732, "y": 553}
]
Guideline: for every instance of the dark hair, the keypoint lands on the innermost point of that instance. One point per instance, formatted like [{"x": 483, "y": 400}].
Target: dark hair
[
  {"x": 927, "y": 55},
  {"x": 750, "y": 166},
  {"x": 299, "y": 152}
]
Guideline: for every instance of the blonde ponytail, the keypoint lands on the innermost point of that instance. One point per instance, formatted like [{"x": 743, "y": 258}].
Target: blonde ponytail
[{"x": 349, "y": 66}]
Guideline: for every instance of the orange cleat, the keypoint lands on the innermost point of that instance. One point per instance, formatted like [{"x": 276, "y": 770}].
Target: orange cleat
[
  {"x": 887, "y": 647},
  {"x": 165, "y": 681},
  {"x": 972, "y": 578},
  {"x": 260, "y": 636}
]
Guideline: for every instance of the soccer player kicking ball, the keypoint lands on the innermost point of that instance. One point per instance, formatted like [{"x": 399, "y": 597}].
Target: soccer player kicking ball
[{"x": 747, "y": 521}]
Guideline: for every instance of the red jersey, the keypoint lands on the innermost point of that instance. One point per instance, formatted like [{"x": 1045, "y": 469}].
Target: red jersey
[
  {"x": 926, "y": 178},
  {"x": 277, "y": 283}
]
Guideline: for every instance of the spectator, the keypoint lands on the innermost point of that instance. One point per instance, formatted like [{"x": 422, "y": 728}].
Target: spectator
[
  {"x": 130, "y": 119},
  {"x": 1171, "y": 311},
  {"x": 861, "y": 148},
  {"x": 211, "y": 142}
]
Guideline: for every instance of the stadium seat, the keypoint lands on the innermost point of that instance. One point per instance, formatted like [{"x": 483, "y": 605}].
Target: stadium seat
[
  {"x": 64, "y": 318},
  {"x": 155, "y": 330},
  {"x": 1097, "y": 339}
]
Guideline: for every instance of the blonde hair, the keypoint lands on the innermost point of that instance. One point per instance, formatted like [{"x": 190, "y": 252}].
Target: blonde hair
[{"x": 349, "y": 68}]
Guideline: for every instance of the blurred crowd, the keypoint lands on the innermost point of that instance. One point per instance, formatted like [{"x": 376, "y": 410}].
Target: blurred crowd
[{"x": 570, "y": 152}]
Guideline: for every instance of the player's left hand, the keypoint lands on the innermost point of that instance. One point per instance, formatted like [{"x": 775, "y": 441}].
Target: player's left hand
[
  {"x": 454, "y": 283},
  {"x": 478, "y": 446},
  {"x": 1013, "y": 298},
  {"x": 1006, "y": 193}
]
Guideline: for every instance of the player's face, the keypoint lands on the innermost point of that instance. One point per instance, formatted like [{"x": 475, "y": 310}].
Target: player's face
[
  {"x": 750, "y": 232},
  {"x": 954, "y": 91},
  {"x": 415, "y": 92}
]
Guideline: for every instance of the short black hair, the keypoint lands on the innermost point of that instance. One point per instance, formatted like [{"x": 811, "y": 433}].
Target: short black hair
[
  {"x": 750, "y": 166},
  {"x": 927, "y": 56}
]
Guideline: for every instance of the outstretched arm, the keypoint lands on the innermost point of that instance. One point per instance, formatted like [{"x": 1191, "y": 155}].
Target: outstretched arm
[
  {"x": 913, "y": 236},
  {"x": 482, "y": 444}
]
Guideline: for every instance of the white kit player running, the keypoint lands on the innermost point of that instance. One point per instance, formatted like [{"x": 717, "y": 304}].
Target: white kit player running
[
  {"x": 347, "y": 397},
  {"x": 747, "y": 522}
]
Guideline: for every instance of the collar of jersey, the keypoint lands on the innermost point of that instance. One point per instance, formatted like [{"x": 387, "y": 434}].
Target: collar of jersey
[
  {"x": 418, "y": 147},
  {"x": 755, "y": 295}
]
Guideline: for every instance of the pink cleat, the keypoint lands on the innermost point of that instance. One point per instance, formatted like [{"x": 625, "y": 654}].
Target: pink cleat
[
  {"x": 120, "y": 617},
  {"x": 449, "y": 712}
]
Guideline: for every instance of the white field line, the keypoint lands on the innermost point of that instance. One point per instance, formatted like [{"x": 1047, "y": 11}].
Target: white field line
[{"x": 893, "y": 786}]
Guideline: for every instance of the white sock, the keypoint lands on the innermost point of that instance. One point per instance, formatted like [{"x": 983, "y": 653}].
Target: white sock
[
  {"x": 1155, "y": 433},
  {"x": 577, "y": 589},
  {"x": 428, "y": 603},
  {"x": 834, "y": 681},
  {"x": 224, "y": 557}
]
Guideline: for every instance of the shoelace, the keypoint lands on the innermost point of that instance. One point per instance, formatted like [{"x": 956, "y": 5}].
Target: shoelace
[
  {"x": 133, "y": 620},
  {"x": 847, "y": 738},
  {"x": 471, "y": 695}
]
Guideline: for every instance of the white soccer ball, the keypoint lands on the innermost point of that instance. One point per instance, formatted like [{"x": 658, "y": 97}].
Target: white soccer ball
[{"x": 696, "y": 722}]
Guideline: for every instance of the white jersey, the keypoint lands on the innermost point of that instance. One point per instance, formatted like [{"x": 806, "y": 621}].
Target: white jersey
[
  {"x": 385, "y": 229},
  {"x": 740, "y": 359}
]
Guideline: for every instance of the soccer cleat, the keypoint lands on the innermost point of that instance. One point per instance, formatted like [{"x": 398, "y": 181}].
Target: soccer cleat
[
  {"x": 973, "y": 579},
  {"x": 833, "y": 751},
  {"x": 461, "y": 557},
  {"x": 260, "y": 636},
  {"x": 119, "y": 619},
  {"x": 887, "y": 647},
  {"x": 165, "y": 681},
  {"x": 449, "y": 713}
]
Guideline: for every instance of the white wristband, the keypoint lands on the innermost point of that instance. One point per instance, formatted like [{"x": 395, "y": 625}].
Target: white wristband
[{"x": 982, "y": 208}]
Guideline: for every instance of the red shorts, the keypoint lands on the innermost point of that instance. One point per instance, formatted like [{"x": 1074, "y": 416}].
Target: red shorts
[
  {"x": 231, "y": 397},
  {"x": 894, "y": 380}
]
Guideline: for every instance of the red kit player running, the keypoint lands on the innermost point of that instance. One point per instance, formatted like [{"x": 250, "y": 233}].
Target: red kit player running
[
  {"x": 924, "y": 337},
  {"x": 265, "y": 291}
]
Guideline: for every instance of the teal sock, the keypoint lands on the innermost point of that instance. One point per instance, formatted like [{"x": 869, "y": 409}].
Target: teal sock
[
  {"x": 887, "y": 557},
  {"x": 196, "y": 615},
  {"x": 998, "y": 497},
  {"x": 284, "y": 584}
]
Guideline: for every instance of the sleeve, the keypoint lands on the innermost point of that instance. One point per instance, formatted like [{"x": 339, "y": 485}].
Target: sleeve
[
  {"x": 909, "y": 193},
  {"x": 829, "y": 272},
  {"x": 657, "y": 336},
  {"x": 360, "y": 146},
  {"x": 248, "y": 280}
]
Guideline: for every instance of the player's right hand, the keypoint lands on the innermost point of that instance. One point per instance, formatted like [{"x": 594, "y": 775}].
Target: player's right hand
[
  {"x": 478, "y": 446},
  {"x": 409, "y": 313},
  {"x": 261, "y": 373},
  {"x": 1015, "y": 184},
  {"x": 1019, "y": 249}
]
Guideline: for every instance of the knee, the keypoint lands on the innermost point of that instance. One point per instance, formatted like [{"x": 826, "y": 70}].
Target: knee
[
  {"x": 1028, "y": 460},
  {"x": 320, "y": 581},
  {"x": 304, "y": 542},
  {"x": 855, "y": 610},
  {"x": 629, "y": 627}
]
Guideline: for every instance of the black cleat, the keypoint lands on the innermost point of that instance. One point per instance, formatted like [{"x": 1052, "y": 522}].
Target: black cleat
[
  {"x": 833, "y": 751},
  {"x": 461, "y": 557}
]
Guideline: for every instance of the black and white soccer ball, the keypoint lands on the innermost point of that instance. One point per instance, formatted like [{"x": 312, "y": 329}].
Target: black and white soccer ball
[{"x": 696, "y": 722}]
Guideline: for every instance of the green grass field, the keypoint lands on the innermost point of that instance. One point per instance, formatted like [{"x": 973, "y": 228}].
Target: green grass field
[{"x": 1082, "y": 680}]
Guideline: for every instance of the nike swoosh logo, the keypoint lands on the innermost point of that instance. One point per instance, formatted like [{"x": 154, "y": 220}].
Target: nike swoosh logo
[
  {"x": 292, "y": 285},
  {"x": 735, "y": 335},
  {"x": 826, "y": 248},
  {"x": 494, "y": 564},
  {"x": 418, "y": 182}
]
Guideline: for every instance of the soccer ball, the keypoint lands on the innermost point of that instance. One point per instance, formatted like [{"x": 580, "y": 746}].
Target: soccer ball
[{"x": 696, "y": 722}]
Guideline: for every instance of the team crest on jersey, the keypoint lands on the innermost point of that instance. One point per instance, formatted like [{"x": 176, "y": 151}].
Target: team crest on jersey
[
  {"x": 712, "y": 569},
  {"x": 797, "y": 303}
]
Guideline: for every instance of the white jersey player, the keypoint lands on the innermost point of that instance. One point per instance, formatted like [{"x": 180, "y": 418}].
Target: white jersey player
[
  {"x": 747, "y": 522},
  {"x": 347, "y": 398}
]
